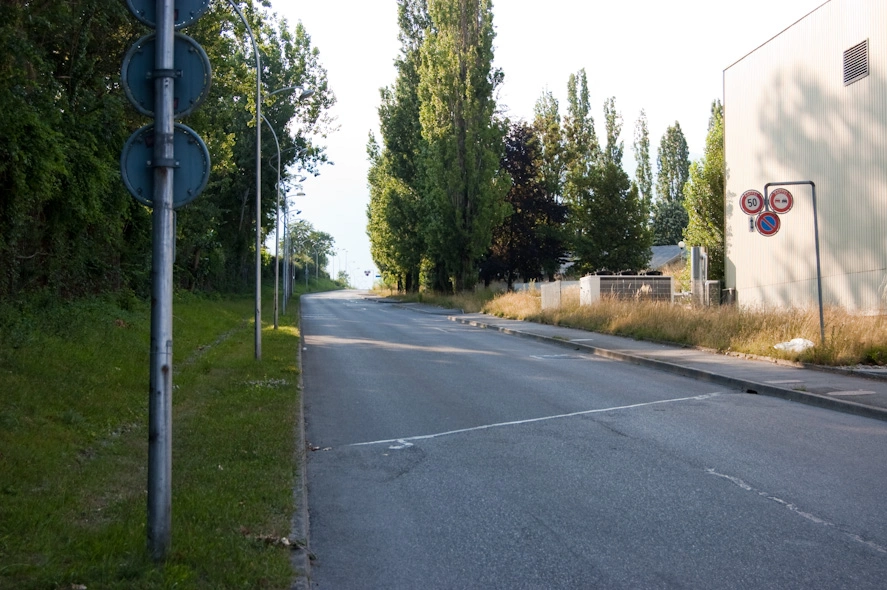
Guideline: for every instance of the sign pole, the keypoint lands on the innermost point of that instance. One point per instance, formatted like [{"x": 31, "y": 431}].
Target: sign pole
[
  {"x": 816, "y": 239},
  {"x": 160, "y": 395}
]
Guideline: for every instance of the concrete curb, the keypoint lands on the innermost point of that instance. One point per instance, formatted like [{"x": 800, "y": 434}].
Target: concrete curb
[
  {"x": 300, "y": 557},
  {"x": 747, "y": 386}
]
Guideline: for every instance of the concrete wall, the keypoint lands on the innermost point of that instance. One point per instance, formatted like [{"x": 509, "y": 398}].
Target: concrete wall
[
  {"x": 552, "y": 293},
  {"x": 789, "y": 116}
]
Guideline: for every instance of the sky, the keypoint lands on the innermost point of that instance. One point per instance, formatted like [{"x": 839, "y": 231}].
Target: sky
[{"x": 664, "y": 57}]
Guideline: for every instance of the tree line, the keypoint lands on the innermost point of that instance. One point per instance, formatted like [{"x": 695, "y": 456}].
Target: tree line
[
  {"x": 460, "y": 193},
  {"x": 68, "y": 227}
]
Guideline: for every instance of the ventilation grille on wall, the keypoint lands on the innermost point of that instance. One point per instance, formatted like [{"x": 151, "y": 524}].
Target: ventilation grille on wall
[{"x": 856, "y": 63}]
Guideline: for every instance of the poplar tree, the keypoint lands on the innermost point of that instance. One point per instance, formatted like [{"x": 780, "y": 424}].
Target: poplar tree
[
  {"x": 644, "y": 169},
  {"x": 395, "y": 209},
  {"x": 463, "y": 185},
  {"x": 551, "y": 169},
  {"x": 581, "y": 154},
  {"x": 552, "y": 161},
  {"x": 704, "y": 196},
  {"x": 673, "y": 162}
]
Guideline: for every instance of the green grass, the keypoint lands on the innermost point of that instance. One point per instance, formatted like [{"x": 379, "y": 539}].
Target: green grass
[{"x": 73, "y": 444}]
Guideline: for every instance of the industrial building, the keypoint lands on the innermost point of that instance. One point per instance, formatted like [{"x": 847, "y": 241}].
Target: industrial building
[{"x": 811, "y": 105}]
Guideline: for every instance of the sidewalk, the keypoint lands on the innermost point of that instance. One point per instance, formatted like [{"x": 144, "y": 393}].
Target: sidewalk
[{"x": 860, "y": 391}]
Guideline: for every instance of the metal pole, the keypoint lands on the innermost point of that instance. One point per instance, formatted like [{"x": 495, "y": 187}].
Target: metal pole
[
  {"x": 286, "y": 259},
  {"x": 816, "y": 239},
  {"x": 252, "y": 38},
  {"x": 160, "y": 395},
  {"x": 258, "y": 336},
  {"x": 276, "y": 223}
]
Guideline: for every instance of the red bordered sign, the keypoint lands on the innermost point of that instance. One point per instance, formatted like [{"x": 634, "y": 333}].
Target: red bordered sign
[
  {"x": 781, "y": 201},
  {"x": 767, "y": 223},
  {"x": 751, "y": 202}
]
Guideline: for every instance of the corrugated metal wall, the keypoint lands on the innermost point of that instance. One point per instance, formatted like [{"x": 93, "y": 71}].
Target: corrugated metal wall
[{"x": 788, "y": 116}]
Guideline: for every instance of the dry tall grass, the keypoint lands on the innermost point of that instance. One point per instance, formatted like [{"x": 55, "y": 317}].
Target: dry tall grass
[{"x": 850, "y": 339}]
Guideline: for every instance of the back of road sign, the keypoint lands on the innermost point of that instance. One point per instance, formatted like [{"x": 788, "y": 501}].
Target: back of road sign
[
  {"x": 186, "y": 11},
  {"x": 191, "y": 171}
]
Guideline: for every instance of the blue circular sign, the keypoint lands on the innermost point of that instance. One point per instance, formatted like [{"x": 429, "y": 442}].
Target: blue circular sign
[
  {"x": 190, "y": 175},
  {"x": 190, "y": 85},
  {"x": 767, "y": 223}
]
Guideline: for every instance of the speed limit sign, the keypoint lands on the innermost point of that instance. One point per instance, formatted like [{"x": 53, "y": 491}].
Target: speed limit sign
[{"x": 751, "y": 202}]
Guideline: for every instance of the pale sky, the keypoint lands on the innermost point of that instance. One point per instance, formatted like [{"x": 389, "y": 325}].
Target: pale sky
[{"x": 666, "y": 57}]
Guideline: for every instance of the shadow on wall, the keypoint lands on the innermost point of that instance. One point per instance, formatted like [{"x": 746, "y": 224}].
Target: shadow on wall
[{"x": 839, "y": 141}]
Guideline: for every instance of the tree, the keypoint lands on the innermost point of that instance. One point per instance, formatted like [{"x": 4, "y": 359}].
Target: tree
[
  {"x": 462, "y": 183},
  {"x": 613, "y": 128},
  {"x": 547, "y": 126},
  {"x": 310, "y": 248},
  {"x": 216, "y": 245},
  {"x": 617, "y": 237},
  {"x": 395, "y": 177},
  {"x": 644, "y": 170},
  {"x": 528, "y": 239},
  {"x": 394, "y": 223},
  {"x": 704, "y": 196},
  {"x": 68, "y": 227},
  {"x": 581, "y": 154},
  {"x": 673, "y": 163}
]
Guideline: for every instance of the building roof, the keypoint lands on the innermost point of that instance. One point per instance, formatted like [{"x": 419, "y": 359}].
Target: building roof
[{"x": 663, "y": 255}]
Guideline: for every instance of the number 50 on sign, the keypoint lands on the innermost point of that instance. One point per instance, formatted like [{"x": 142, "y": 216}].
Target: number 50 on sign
[{"x": 751, "y": 202}]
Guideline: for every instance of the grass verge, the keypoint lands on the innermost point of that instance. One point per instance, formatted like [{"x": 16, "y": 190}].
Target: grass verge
[{"x": 73, "y": 445}]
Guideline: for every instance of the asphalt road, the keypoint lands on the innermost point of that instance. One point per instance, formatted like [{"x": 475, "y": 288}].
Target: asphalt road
[{"x": 452, "y": 457}]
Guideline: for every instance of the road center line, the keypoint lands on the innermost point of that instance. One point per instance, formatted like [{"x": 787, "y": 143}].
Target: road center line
[
  {"x": 812, "y": 518},
  {"x": 402, "y": 441}
]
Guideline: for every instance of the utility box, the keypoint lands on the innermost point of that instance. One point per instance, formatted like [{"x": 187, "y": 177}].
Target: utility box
[
  {"x": 712, "y": 292},
  {"x": 698, "y": 274},
  {"x": 649, "y": 287}
]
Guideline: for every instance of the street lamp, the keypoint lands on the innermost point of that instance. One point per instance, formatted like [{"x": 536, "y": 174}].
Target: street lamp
[
  {"x": 277, "y": 216},
  {"x": 303, "y": 94},
  {"x": 287, "y": 286},
  {"x": 287, "y": 249},
  {"x": 258, "y": 313}
]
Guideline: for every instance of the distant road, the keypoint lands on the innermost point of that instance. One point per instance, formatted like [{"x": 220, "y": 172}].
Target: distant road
[{"x": 453, "y": 457}]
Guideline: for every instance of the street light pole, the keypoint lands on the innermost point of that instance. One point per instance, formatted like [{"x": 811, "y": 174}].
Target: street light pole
[
  {"x": 276, "y": 218},
  {"x": 258, "y": 313}
]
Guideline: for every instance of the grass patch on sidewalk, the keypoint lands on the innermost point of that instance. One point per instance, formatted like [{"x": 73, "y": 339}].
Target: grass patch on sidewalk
[{"x": 74, "y": 440}]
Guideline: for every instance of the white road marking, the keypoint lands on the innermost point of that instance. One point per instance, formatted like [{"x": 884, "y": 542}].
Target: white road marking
[
  {"x": 812, "y": 518},
  {"x": 857, "y": 392},
  {"x": 784, "y": 381},
  {"x": 530, "y": 421}
]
